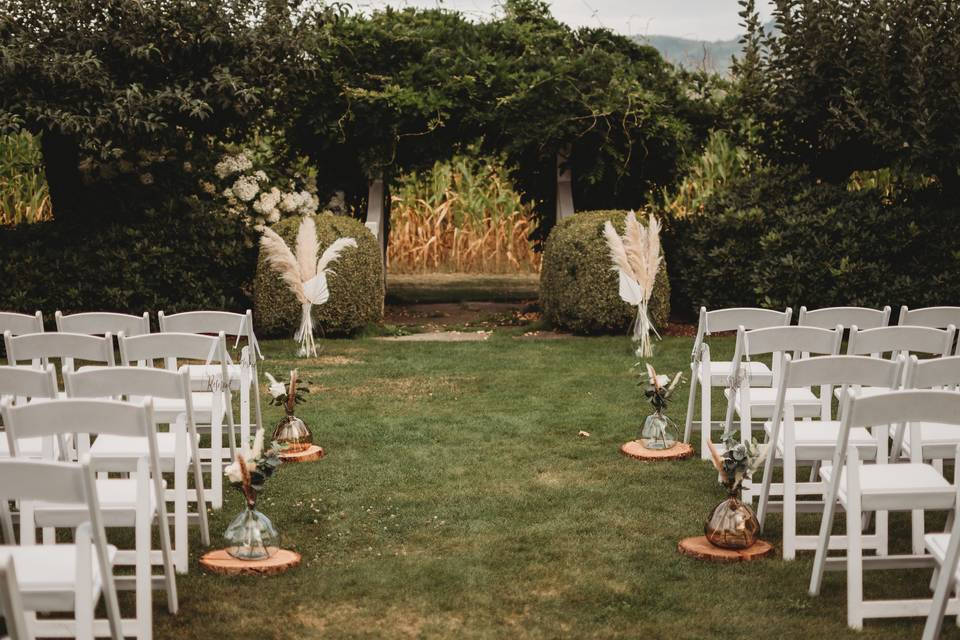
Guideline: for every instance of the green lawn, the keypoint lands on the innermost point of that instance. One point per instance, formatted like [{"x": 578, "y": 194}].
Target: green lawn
[{"x": 457, "y": 501}]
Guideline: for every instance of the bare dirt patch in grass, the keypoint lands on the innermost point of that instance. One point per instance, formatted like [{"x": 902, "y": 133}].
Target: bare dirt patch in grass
[
  {"x": 412, "y": 388},
  {"x": 393, "y": 622}
]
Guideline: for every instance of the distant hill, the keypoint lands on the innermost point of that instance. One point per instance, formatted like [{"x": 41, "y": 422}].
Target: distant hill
[{"x": 695, "y": 54}]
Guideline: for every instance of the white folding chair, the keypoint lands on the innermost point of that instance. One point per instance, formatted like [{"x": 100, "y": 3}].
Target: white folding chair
[
  {"x": 812, "y": 441},
  {"x": 124, "y": 502},
  {"x": 211, "y": 397},
  {"x": 175, "y": 449},
  {"x": 709, "y": 374},
  {"x": 11, "y": 604},
  {"x": 99, "y": 323},
  {"x": 830, "y": 317},
  {"x": 860, "y": 489},
  {"x": 945, "y": 550},
  {"x": 244, "y": 377},
  {"x": 65, "y": 347},
  {"x": 23, "y": 384},
  {"x": 60, "y": 578}
]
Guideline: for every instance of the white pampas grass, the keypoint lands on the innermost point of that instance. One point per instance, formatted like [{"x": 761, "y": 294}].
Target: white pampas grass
[
  {"x": 636, "y": 256},
  {"x": 304, "y": 273}
]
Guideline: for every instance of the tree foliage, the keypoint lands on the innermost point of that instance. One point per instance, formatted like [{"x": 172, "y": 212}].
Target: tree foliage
[{"x": 844, "y": 85}]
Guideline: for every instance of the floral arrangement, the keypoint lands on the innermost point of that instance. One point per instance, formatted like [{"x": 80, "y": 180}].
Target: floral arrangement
[
  {"x": 658, "y": 388},
  {"x": 304, "y": 272},
  {"x": 636, "y": 257},
  {"x": 287, "y": 394},
  {"x": 738, "y": 462},
  {"x": 249, "y": 472}
]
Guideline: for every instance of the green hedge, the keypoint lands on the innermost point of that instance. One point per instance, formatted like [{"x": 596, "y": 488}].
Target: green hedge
[
  {"x": 178, "y": 258},
  {"x": 579, "y": 290},
  {"x": 777, "y": 238},
  {"x": 356, "y": 287}
]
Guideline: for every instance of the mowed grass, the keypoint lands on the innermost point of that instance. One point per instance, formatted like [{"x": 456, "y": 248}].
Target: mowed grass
[{"x": 457, "y": 501}]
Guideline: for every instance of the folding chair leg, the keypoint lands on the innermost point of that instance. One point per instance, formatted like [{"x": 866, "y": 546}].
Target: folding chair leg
[
  {"x": 691, "y": 402},
  {"x": 144, "y": 586},
  {"x": 180, "y": 500},
  {"x": 244, "y": 405},
  {"x": 256, "y": 392},
  {"x": 917, "y": 526},
  {"x": 789, "y": 497},
  {"x": 854, "y": 564},
  {"x": 706, "y": 420}
]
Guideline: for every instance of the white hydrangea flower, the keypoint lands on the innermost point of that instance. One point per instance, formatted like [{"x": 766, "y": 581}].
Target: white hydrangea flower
[
  {"x": 246, "y": 188},
  {"x": 290, "y": 202},
  {"x": 273, "y": 216},
  {"x": 260, "y": 175}
]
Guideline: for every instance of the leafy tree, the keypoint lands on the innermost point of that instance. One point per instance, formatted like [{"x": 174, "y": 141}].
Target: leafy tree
[{"x": 842, "y": 85}]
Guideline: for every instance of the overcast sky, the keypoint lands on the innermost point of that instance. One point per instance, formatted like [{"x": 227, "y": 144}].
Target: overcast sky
[{"x": 696, "y": 19}]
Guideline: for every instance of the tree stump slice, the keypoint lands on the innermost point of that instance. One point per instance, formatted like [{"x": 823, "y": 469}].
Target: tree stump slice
[
  {"x": 635, "y": 449},
  {"x": 307, "y": 455},
  {"x": 700, "y": 548},
  {"x": 222, "y": 563}
]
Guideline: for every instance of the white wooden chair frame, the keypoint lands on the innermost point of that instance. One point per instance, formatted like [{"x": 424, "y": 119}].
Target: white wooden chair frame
[
  {"x": 135, "y": 383},
  {"x": 20, "y": 323},
  {"x": 66, "y": 347},
  {"x": 859, "y": 496},
  {"x": 109, "y": 417},
  {"x": 172, "y": 347},
  {"x": 934, "y": 317},
  {"x": 11, "y": 604},
  {"x": 103, "y": 322},
  {"x": 830, "y": 317},
  {"x": 708, "y": 374},
  {"x": 67, "y": 483},
  {"x": 945, "y": 550},
  {"x": 244, "y": 377},
  {"x": 825, "y": 372}
]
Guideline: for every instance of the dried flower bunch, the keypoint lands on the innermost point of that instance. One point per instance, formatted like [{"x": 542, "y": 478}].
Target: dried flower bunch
[
  {"x": 657, "y": 388},
  {"x": 636, "y": 257},
  {"x": 249, "y": 472},
  {"x": 738, "y": 462},
  {"x": 290, "y": 393},
  {"x": 304, "y": 273}
]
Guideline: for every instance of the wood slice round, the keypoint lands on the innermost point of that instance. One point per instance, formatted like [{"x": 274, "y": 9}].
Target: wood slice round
[
  {"x": 635, "y": 449},
  {"x": 700, "y": 548},
  {"x": 223, "y": 563},
  {"x": 313, "y": 452}
]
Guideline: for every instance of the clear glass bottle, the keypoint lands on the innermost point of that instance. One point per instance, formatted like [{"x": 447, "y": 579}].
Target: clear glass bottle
[
  {"x": 659, "y": 432},
  {"x": 252, "y": 536}
]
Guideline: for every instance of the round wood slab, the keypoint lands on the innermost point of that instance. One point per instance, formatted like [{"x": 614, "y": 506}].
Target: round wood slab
[
  {"x": 700, "y": 548},
  {"x": 635, "y": 449},
  {"x": 223, "y": 563},
  {"x": 307, "y": 455}
]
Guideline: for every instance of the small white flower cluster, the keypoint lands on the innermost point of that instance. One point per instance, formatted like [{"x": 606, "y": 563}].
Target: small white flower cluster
[{"x": 232, "y": 164}]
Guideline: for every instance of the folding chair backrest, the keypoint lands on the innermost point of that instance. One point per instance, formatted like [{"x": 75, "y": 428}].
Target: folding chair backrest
[
  {"x": 26, "y": 382},
  {"x": 100, "y": 323},
  {"x": 935, "y": 317},
  {"x": 173, "y": 346},
  {"x": 23, "y": 479},
  {"x": 841, "y": 370},
  {"x": 62, "y": 346},
  {"x": 209, "y": 322},
  {"x": 788, "y": 339},
  {"x": 20, "y": 323},
  {"x": 39, "y": 419},
  {"x": 933, "y": 372},
  {"x": 908, "y": 405},
  {"x": 100, "y": 382},
  {"x": 747, "y": 317},
  {"x": 11, "y": 604},
  {"x": 900, "y": 339},
  {"x": 830, "y": 317}
]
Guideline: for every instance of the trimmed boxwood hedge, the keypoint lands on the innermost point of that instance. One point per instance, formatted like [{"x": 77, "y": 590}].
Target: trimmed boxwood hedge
[
  {"x": 579, "y": 290},
  {"x": 779, "y": 238},
  {"x": 356, "y": 287}
]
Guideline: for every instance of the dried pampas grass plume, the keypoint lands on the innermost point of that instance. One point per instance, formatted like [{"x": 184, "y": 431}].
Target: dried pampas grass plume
[
  {"x": 282, "y": 260},
  {"x": 307, "y": 248},
  {"x": 332, "y": 253},
  {"x": 618, "y": 252}
]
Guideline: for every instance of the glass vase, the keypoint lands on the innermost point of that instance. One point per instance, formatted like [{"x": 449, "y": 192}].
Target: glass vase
[
  {"x": 292, "y": 432},
  {"x": 732, "y": 524},
  {"x": 659, "y": 432},
  {"x": 251, "y": 536}
]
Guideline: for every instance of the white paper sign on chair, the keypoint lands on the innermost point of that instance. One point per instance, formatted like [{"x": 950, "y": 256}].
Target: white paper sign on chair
[
  {"x": 636, "y": 258},
  {"x": 304, "y": 274}
]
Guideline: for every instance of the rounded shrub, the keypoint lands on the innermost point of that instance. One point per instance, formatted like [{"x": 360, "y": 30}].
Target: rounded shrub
[
  {"x": 579, "y": 290},
  {"x": 778, "y": 238},
  {"x": 356, "y": 286}
]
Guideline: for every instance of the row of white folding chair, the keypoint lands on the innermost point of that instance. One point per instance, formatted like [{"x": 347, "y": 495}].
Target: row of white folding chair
[
  {"x": 861, "y": 489},
  {"x": 176, "y": 449},
  {"x": 706, "y": 374},
  {"x": 808, "y": 442},
  {"x": 135, "y": 503},
  {"x": 58, "y": 578}
]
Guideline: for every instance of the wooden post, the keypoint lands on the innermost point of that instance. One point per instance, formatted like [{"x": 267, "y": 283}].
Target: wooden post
[
  {"x": 375, "y": 212},
  {"x": 564, "y": 185}
]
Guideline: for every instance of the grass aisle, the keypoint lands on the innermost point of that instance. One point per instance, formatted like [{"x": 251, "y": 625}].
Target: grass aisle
[{"x": 458, "y": 501}]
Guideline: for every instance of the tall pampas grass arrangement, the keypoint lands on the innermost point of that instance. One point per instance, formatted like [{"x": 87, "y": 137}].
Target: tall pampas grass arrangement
[
  {"x": 636, "y": 256},
  {"x": 304, "y": 273}
]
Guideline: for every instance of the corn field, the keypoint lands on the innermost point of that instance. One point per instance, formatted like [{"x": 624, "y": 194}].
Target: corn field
[
  {"x": 24, "y": 195},
  {"x": 460, "y": 216}
]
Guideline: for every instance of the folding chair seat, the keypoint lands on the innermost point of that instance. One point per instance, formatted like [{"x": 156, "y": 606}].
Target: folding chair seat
[
  {"x": 705, "y": 373},
  {"x": 59, "y": 578},
  {"x": 860, "y": 489}
]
